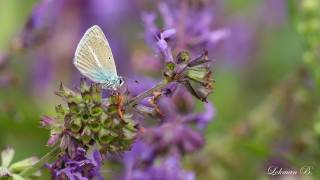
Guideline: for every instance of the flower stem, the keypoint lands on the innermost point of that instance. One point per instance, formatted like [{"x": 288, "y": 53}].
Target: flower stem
[
  {"x": 52, "y": 154},
  {"x": 138, "y": 98}
]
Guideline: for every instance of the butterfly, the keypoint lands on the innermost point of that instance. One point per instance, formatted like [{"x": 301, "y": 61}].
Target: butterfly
[{"x": 94, "y": 59}]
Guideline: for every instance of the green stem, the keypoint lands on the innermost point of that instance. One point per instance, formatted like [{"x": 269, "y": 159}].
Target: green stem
[
  {"x": 52, "y": 154},
  {"x": 145, "y": 94}
]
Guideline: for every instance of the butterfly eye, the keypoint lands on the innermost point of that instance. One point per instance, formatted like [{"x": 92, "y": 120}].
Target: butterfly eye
[{"x": 120, "y": 81}]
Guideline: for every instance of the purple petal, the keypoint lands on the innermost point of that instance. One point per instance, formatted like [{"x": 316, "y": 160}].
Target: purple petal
[
  {"x": 168, "y": 33},
  {"x": 217, "y": 35},
  {"x": 54, "y": 139},
  {"x": 171, "y": 88},
  {"x": 162, "y": 45},
  {"x": 202, "y": 119},
  {"x": 47, "y": 122}
]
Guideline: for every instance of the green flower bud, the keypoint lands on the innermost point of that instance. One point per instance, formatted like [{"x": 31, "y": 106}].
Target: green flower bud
[
  {"x": 113, "y": 98},
  {"x": 64, "y": 92},
  {"x": 24, "y": 164},
  {"x": 86, "y": 96},
  {"x": 96, "y": 91},
  {"x": 76, "y": 124},
  {"x": 112, "y": 109},
  {"x": 86, "y": 135},
  {"x": 182, "y": 57},
  {"x": 95, "y": 126},
  {"x": 170, "y": 66},
  {"x": 197, "y": 75},
  {"x": 131, "y": 126},
  {"x": 61, "y": 110},
  {"x": 113, "y": 133},
  {"x": 85, "y": 115},
  {"x": 197, "y": 90},
  {"x": 96, "y": 110},
  {"x": 73, "y": 107},
  {"x": 104, "y": 136},
  {"x": 107, "y": 122},
  {"x": 83, "y": 85},
  {"x": 77, "y": 98},
  {"x": 119, "y": 126}
]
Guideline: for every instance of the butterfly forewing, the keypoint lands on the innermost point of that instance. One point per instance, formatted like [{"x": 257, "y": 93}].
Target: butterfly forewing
[{"x": 93, "y": 56}]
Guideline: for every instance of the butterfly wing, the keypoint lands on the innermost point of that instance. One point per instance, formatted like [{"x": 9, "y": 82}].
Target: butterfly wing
[{"x": 93, "y": 56}]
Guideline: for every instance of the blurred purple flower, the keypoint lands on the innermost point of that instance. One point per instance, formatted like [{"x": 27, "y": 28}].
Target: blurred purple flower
[
  {"x": 192, "y": 25},
  {"x": 173, "y": 136},
  {"x": 168, "y": 169},
  {"x": 279, "y": 14},
  {"x": 141, "y": 163},
  {"x": 78, "y": 168},
  {"x": 152, "y": 31},
  {"x": 97, "y": 162},
  {"x": 202, "y": 119},
  {"x": 41, "y": 23},
  {"x": 238, "y": 49},
  {"x": 179, "y": 108},
  {"x": 140, "y": 155},
  {"x": 145, "y": 63}
]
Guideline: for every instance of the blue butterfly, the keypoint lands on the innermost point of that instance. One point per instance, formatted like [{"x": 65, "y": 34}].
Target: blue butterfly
[{"x": 94, "y": 59}]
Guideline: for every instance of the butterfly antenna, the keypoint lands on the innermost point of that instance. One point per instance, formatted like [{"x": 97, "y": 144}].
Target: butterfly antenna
[{"x": 131, "y": 80}]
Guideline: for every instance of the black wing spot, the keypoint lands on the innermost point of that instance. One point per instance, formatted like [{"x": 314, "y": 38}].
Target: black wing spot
[{"x": 109, "y": 57}]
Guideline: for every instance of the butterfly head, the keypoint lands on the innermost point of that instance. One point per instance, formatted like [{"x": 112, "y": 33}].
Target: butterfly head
[
  {"x": 113, "y": 83},
  {"x": 121, "y": 81}
]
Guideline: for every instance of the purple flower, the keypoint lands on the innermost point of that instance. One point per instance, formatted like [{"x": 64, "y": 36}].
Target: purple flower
[
  {"x": 192, "y": 25},
  {"x": 141, "y": 155},
  {"x": 181, "y": 106},
  {"x": 152, "y": 31},
  {"x": 142, "y": 163},
  {"x": 76, "y": 168},
  {"x": 238, "y": 49},
  {"x": 202, "y": 119},
  {"x": 163, "y": 46},
  {"x": 42, "y": 22},
  {"x": 168, "y": 169},
  {"x": 173, "y": 136}
]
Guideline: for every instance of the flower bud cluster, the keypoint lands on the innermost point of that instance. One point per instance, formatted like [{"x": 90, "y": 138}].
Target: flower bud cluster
[
  {"x": 194, "y": 74},
  {"x": 90, "y": 120}
]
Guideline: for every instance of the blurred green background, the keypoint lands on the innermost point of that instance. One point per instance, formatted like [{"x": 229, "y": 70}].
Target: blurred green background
[{"x": 267, "y": 107}]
